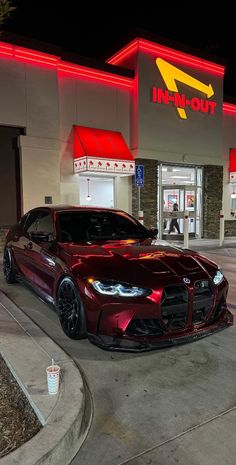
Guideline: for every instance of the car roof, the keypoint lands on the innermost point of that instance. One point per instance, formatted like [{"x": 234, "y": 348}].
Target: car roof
[{"x": 59, "y": 208}]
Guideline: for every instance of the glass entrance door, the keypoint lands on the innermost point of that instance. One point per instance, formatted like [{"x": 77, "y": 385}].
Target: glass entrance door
[
  {"x": 175, "y": 200},
  {"x": 181, "y": 185}
]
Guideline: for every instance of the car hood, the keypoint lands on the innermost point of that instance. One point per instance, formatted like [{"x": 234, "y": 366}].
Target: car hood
[{"x": 135, "y": 261}]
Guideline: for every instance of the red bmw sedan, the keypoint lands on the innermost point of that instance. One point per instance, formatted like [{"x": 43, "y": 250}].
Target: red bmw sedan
[{"x": 112, "y": 281}]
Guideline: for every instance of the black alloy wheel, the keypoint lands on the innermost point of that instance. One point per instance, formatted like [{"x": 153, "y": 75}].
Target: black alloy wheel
[
  {"x": 70, "y": 310},
  {"x": 8, "y": 270}
]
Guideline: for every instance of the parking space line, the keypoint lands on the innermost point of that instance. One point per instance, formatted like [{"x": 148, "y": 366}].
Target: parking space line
[{"x": 177, "y": 436}]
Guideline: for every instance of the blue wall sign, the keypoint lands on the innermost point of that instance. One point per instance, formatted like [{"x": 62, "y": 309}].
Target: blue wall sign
[{"x": 139, "y": 175}]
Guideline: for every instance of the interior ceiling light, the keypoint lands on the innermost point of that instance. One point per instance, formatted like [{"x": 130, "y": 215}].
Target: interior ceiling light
[
  {"x": 233, "y": 194},
  {"x": 88, "y": 198},
  {"x": 180, "y": 177}
]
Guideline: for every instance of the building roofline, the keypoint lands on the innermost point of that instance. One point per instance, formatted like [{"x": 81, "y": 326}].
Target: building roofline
[
  {"x": 165, "y": 41},
  {"x": 45, "y": 47}
]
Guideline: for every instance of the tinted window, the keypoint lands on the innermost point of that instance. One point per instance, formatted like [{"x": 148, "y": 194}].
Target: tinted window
[
  {"x": 79, "y": 226},
  {"x": 23, "y": 220},
  {"x": 39, "y": 221},
  {"x": 31, "y": 221},
  {"x": 45, "y": 223}
]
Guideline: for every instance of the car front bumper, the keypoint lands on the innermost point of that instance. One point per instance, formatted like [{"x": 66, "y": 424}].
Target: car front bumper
[{"x": 141, "y": 344}]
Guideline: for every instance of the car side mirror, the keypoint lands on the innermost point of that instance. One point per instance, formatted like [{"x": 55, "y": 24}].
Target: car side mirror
[
  {"x": 153, "y": 231},
  {"x": 40, "y": 236}
]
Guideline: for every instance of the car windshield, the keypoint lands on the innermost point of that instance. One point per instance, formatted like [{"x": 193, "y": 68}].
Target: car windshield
[{"x": 77, "y": 226}]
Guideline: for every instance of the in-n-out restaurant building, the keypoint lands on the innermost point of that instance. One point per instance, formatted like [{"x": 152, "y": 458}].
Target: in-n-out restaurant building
[{"x": 72, "y": 130}]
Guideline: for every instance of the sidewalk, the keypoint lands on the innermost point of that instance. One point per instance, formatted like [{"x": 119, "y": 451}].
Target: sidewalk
[
  {"x": 28, "y": 351},
  {"x": 205, "y": 244}
]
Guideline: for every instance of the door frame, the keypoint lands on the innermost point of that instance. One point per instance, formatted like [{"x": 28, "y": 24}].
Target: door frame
[
  {"x": 180, "y": 214},
  {"x": 193, "y": 187}
]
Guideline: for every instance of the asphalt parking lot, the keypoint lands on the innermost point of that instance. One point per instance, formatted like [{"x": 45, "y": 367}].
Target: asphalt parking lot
[{"x": 168, "y": 407}]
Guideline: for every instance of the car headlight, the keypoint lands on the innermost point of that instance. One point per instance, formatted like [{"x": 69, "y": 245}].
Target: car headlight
[
  {"x": 119, "y": 289},
  {"x": 218, "y": 277}
]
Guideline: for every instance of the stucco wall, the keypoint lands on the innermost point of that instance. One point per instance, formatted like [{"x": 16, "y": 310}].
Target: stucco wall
[
  {"x": 29, "y": 98},
  {"x": 13, "y": 107},
  {"x": 40, "y": 166},
  {"x": 47, "y": 105},
  {"x": 123, "y": 191},
  {"x": 92, "y": 104},
  {"x": 163, "y": 134}
]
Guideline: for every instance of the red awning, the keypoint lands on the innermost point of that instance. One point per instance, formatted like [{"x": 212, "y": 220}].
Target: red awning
[
  {"x": 232, "y": 166},
  {"x": 100, "y": 143},
  {"x": 232, "y": 160}
]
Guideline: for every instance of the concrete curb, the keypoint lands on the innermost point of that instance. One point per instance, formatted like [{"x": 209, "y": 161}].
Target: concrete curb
[{"x": 66, "y": 417}]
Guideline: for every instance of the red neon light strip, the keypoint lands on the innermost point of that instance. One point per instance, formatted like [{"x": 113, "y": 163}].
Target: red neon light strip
[
  {"x": 151, "y": 47},
  {"x": 187, "y": 62},
  {"x": 124, "y": 53},
  {"x": 52, "y": 60},
  {"x": 155, "y": 48},
  {"x": 174, "y": 53},
  {"x": 229, "y": 108},
  {"x": 6, "y": 49},
  {"x": 93, "y": 72},
  {"x": 5, "y": 53},
  {"x": 77, "y": 73},
  {"x": 26, "y": 54},
  {"x": 41, "y": 55},
  {"x": 101, "y": 76},
  {"x": 182, "y": 57},
  {"x": 26, "y": 58},
  {"x": 128, "y": 49},
  {"x": 9, "y": 47}
]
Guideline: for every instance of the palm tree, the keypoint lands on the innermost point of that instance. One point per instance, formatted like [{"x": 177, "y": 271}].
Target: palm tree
[{"x": 5, "y": 10}]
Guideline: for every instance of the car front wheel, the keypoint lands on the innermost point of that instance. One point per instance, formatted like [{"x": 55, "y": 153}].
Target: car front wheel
[
  {"x": 70, "y": 310},
  {"x": 8, "y": 270}
]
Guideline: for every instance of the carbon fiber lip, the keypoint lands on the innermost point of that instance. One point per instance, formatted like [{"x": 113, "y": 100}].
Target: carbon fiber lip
[{"x": 127, "y": 345}]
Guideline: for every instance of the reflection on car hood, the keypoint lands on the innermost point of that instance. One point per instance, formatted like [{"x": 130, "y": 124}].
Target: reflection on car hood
[{"x": 134, "y": 260}]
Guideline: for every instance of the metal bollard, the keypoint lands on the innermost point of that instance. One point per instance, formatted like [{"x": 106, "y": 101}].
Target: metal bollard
[
  {"x": 222, "y": 228},
  {"x": 186, "y": 238},
  {"x": 140, "y": 216}
]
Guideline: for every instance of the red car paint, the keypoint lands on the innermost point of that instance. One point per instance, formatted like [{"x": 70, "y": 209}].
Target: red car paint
[{"x": 182, "y": 304}]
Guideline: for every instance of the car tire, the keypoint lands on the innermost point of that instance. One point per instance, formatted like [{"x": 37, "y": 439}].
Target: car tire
[
  {"x": 8, "y": 269},
  {"x": 70, "y": 309}
]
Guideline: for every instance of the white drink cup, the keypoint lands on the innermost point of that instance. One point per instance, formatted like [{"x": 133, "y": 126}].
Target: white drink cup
[{"x": 53, "y": 376}]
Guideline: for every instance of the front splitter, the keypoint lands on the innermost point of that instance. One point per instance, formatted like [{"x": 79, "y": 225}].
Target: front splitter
[{"x": 115, "y": 343}]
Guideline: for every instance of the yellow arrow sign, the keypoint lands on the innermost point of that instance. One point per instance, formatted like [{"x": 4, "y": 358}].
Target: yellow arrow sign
[{"x": 170, "y": 74}]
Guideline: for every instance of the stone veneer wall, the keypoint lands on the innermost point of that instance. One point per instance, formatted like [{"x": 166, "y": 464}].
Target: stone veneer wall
[
  {"x": 212, "y": 200},
  {"x": 230, "y": 228},
  {"x": 3, "y": 233},
  {"x": 148, "y": 194}
]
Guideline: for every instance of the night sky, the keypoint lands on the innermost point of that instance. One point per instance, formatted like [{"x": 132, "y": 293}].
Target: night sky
[{"x": 97, "y": 31}]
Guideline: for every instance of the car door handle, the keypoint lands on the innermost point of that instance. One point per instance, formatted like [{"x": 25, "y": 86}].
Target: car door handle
[
  {"x": 29, "y": 246},
  {"x": 48, "y": 257}
]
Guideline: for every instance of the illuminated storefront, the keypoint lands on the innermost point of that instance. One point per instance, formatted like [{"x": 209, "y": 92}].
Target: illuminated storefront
[
  {"x": 79, "y": 128},
  {"x": 181, "y": 185}
]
